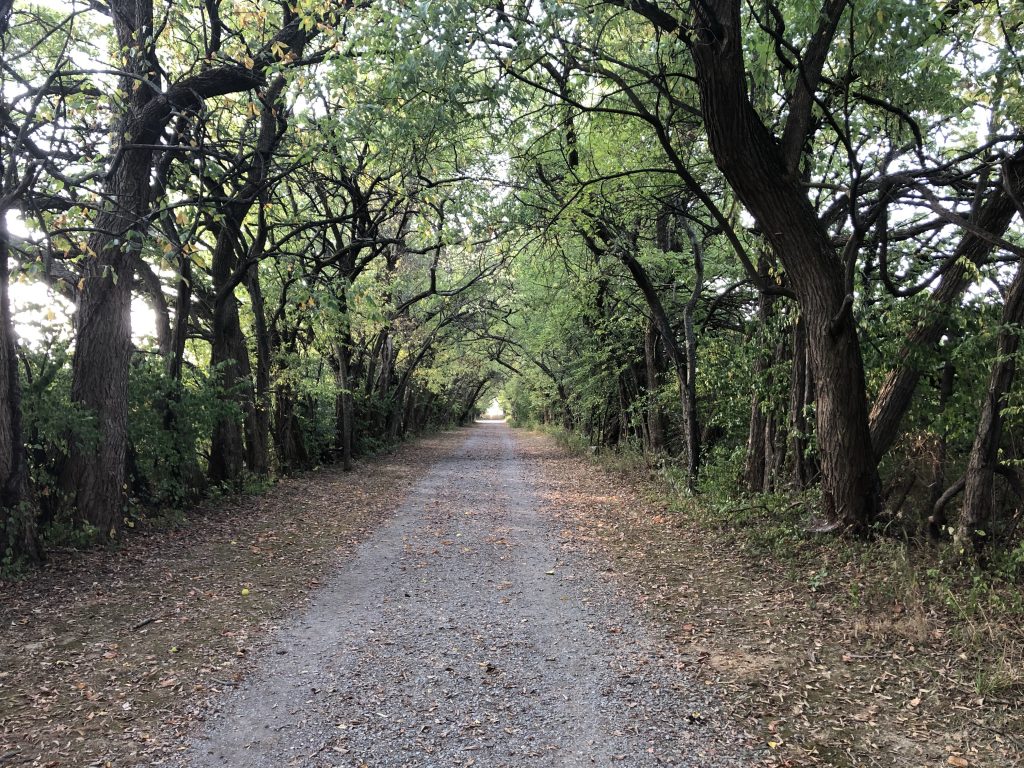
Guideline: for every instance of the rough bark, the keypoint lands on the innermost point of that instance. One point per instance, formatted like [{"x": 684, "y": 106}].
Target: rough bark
[
  {"x": 229, "y": 355},
  {"x": 751, "y": 160},
  {"x": 94, "y": 475},
  {"x": 762, "y": 171}
]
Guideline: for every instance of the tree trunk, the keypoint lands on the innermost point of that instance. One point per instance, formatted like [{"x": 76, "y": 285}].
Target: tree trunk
[
  {"x": 801, "y": 398},
  {"x": 466, "y": 416},
  {"x": 754, "y": 466},
  {"x": 345, "y": 403},
  {"x": 19, "y": 537},
  {"x": 973, "y": 527},
  {"x": 691, "y": 422},
  {"x": 937, "y": 521},
  {"x": 93, "y": 476},
  {"x": 182, "y": 311},
  {"x": 897, "y": 391},
  {"x": 677, "y": 356},
  {"x": 291, "y": 448},
  {"x": 751, "y": 160},
  {"x": 229, "y": 356},
  {"x": 257, "y": 424}
]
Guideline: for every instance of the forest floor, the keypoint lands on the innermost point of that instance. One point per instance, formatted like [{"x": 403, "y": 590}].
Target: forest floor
[
  {"x": 480, "y": 593},
  {"x": 843, "y": 653}
]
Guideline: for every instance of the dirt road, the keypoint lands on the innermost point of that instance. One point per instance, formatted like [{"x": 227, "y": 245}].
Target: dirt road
[{"x": 467, "y": 632}]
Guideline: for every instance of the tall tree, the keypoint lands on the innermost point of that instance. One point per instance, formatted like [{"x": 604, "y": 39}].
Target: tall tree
[{"x": 94, "y": 478}]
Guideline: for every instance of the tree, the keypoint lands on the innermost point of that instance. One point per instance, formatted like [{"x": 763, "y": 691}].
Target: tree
[{"x": 94, "y": 479}]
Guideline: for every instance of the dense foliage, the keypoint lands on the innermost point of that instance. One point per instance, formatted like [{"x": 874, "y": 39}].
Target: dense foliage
[{"x": 775, "y": 243}]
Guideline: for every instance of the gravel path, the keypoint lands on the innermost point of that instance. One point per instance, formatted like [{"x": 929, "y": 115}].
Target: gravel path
[{"x": 465, "y": 632}]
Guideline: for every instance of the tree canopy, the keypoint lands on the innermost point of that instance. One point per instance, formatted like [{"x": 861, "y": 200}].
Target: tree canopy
[{"x": 777, "y": 244}]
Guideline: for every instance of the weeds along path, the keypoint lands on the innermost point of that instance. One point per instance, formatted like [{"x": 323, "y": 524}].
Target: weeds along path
[{"x": 466, "y": 631}]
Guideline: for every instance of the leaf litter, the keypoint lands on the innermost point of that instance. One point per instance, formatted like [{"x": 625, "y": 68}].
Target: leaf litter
[
  {"x": 115, "y": 657},
  {"x": 108, "y": 657},
  {"x": 823, "y": 682}
]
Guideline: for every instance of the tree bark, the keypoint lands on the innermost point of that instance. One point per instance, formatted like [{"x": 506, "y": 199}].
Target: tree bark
[
  {"x": 937, "y": 521},
  {"x": 801, "y": 396},
  {"x": 691, "y": 422},
  {"x": 897, "y": 391},
  {"x": 677, "y": 356},
  {"x": 19, "y": 537},
  {"x": 291, "y": 448},
  {"x": 229, "y": 356},
  {"x": 466, "y": 414},
  {"x": 94, "y": 475},
  {"x": 345, "y": 403},
  {"x": 257, "y": 425},
  {"x": 751, "y": 160},
  {"x": 229, "y": 353}
]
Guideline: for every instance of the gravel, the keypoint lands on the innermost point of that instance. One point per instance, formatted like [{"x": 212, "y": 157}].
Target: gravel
[{"x": 465, "y": 632}]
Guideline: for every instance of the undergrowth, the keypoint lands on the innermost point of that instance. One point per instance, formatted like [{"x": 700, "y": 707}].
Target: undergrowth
[{"x": 884, "y": 574}]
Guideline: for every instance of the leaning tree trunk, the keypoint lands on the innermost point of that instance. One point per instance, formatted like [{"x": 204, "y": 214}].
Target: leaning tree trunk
[
  {"x": 976, "y": 513},
  {"x": 93, "y": 476},
  {"x": 994, "y": 217},
  {"x": 752, "y": 161},
  {"x": 466, "y": 413},
  {"x": 677, "y": 356}
]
